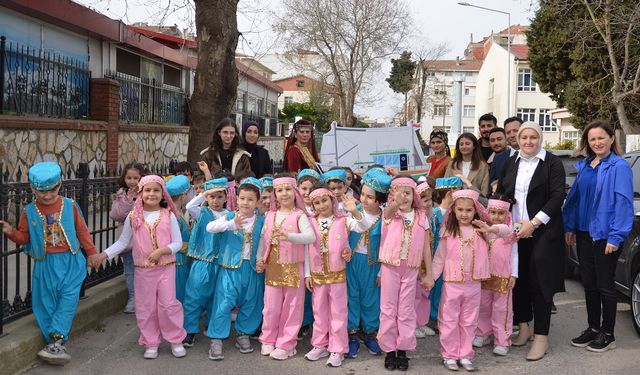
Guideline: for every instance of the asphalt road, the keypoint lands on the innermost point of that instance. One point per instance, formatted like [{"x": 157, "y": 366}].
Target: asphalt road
[{"x": 113, "y": 349}]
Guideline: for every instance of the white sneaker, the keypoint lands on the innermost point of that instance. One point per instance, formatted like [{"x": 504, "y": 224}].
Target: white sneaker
[
  {"x": 419, "y": 333},
  {"x": 335, "y": 360},
  {"x": 267, "y": 349},
  {"x": 480, "y": 341},
  {"x": 316, "y": 353},
  {"x": 178, "y": 350},
  {"x": 151, "y": 352},
  {"x": 130, "y": 308},
  {"x": 282, "y": 354},
  {"x": 428, "y": 331},
  {"x": 450, "y": 364},
  {"x": 500, "y": 350},
  {"x": 215, "y": 350},
  {"x": 467, "y": 364}
]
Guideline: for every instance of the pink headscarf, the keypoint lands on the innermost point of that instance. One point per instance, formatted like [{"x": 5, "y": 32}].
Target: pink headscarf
[
  {"x": 137, "y": 217},
  {"x": 409, "y": 182},
  {"x": 337, "y": 212},
  {"x": 501, "y": 205},
  {"x": 299, "y": 202},
  {"x": 231, "y": 196}
]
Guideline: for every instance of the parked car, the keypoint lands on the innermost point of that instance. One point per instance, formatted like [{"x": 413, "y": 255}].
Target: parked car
[{"x": 628, "y": 269}]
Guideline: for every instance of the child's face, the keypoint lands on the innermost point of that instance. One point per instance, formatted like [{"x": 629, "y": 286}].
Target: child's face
[
  {"x": 349, "y": 178},
  {"x": 368, "y": 200},
  {"x": 426, "y": 198},
  {"x": 404, "y": 196},
  {"x": 48, "y": 197},
  {"x": 305, "y": 188},
  {"x": 338, "y": 189},
  {"x": 464, "y": 210},
  {"x": 285, "y": 195},
  {"x": 216, "y": 200},
  {"x": 178, "y": 201},
  {"x": 132, "y": 177},
  {"x": 198, "y": 187},
  {"x": 247, "y": 202},
  {"x": 152, "y": 194},
  {"x": 497, "y": 215},
  {"x": 265, "y": 198},
  {"x": 323, "y": 206}
]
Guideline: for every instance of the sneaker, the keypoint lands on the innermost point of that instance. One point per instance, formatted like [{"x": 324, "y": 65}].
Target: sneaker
[
  {"x": 585, "y": 338},
  {"x": 554, "y": 309},
  {"x": 316, "y": 353},
  {"x": 55, "y": 353},
  {"x": 354, "y": 347},
  {"x": 372, "y": 345},
  {"x": 500, "y": 350},
  {"x": 243, "y": 343},
  {"x": 189, "y": 340},
  {"x": 130, "y": 307},
  {"x": 335, "y": 360},
  {"x": 391, "y": 361},
  {"x": 256, "y": 335},
  {"x": 402, "y": 362},
  {"x": 602, "y": 343},
  {"x": 178, "y": 350},
  {"x": 419, "y": 333},
  {"x": 151, "y": 352},
  {"x": 467, "y": 364},
  {"x": 266, "y": 349},
  {"x": 215, "y": 351},
  {"x": 428, "y": 331},
  {"x": 480, "y": 341},
  {"x": 450, "y": 364},
  {"x": 282, "y": 354},
  {"x": 304, "y": 331}
]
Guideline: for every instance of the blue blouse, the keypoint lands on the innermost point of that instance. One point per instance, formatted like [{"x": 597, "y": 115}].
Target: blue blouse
[{"x": 586, "y": 185}]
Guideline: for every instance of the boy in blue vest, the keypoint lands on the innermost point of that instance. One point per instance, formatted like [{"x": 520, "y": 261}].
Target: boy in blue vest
[
  {"x": 239, "y": 284},
  {"x": 178, "y": 188},
  {"x": 364, "y": 269},
  {"x": 53, "y": 232}
]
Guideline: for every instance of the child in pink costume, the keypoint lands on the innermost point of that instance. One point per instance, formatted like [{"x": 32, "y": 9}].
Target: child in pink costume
[
  {"x": 281, "y": 254},
  {"x": 405, "y": 246},
  {"x": 463, "y": 259},
  {"x": 325, "y": 274},
  {"x": 496, "y": 313},
  {"x": 154, "y": 235},
  {"x": 423, "y": 305}
]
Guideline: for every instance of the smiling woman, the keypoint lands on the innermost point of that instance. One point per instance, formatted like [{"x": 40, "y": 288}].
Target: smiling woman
[
  {"x": 224, "y": 152},
  {"x": 300, "y": 152}
]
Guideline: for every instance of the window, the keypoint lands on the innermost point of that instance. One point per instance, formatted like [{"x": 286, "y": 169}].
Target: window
[
  {"x": 469, "y": 111},
  {"x": 440, "y": 92},
  {"x": 240, "y": 102},
  {"x": 260, "y": 107},
  {"x": 573, "y": 136},
  {"x": 440, "y": 110},
  {"x": 288, "y": 100},
  {"x": 527, "y": 114},
  {"x": 525, "y": 80},
  {"x": 544, "y": 119},
  {"x": 251, "y": 105},
  {"x": 299, "y": 83},
  {"x": 274, "y": 111},
  {"x": 467, "y": 91},
  {"x": 171, "y": 76},
  {"x": 273, "y": 127},
  {"x": 491, "y": 88},
  {"x": 468, "y": 129}
]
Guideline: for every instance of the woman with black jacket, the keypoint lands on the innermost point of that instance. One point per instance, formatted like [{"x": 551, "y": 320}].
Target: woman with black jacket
[{"x": 260, "y": 160}]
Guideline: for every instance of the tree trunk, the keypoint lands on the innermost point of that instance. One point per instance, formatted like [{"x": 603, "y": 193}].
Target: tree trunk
[
  {"x": 419, "y": 110},
  {"x": 625, "y": 124},
  {"x": 406, "y": 110},
  {"x": 216, "y": 80}
]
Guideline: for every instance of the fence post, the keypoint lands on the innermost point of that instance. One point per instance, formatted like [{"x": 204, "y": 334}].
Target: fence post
[
  {"x": 2, "y": 239},
  {"x": 83, "y": 173},
  {"x": 3, "y": 40}
]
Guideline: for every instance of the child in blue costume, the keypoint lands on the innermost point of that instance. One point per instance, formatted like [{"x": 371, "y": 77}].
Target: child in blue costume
[
  {"x": 53, "y": 231},
  {"x": 364, "y": 269},
  {"x": 203, "y": 249},
  {"x": 239, "y": 284},
  {"x": 179, "y": 188}
]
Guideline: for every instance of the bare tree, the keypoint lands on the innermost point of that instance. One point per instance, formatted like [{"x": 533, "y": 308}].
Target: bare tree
[
  {"x": 425, "y": 56},
  {"x": 349, "y": 39}
]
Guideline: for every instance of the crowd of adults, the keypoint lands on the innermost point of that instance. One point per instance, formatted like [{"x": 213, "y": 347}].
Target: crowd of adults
[{"x": 596, "y": 216}]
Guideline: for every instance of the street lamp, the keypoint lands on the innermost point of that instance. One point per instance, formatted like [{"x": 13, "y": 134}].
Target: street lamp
[{"x": 466, "y": 4}]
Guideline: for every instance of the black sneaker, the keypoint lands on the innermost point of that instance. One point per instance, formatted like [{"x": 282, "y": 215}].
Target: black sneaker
[
  {"x": 402, "y": 363},
  {"x": 585, "y": 338},
  {"x": 390, "y": 361},
  {"x": 602, "y": 343},
  {"x": 304, "y": 332},
  {"x": 189, "y": 340}
]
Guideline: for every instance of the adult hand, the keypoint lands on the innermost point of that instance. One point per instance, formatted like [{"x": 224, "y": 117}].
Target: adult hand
[
  {"x": 526, "y": 230},
  {"x": 610, "y": 249},
  {"x": 570, "y": 238}
]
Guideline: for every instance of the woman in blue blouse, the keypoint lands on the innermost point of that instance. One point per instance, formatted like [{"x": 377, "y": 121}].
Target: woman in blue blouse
[{"x": 598, "y": 216}]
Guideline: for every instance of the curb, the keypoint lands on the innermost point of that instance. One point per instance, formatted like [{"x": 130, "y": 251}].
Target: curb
[{"x": 23, "y": 339}]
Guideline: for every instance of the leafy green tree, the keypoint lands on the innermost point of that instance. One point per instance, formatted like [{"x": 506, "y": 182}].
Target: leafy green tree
[{"x": 401, "y": 78}]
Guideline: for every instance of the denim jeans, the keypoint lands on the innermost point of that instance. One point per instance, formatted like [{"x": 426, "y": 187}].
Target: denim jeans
[{"x": 127, "y": 261}]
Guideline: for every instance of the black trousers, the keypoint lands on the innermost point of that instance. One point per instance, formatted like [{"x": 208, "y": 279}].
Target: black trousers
[
  {"x": 528, "y": 300},
  {"x": 597, "y": 271}
]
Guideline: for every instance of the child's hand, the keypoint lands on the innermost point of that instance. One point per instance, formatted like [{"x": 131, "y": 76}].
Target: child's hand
[
  {"x": 202, "y": 166},
  {"x": 280, "y": 235},
  {"x": 464, "y": 180},
  {"x": 6, "y": 227},
  {"x": 239, "y": 219},
  {"x": 260, "y": 266},
  {"x": 95, "y": 261},
  {"x": 308, "y": 283},
  {"x": 391, "y": 171},
  {"x": 154, "y": 257},
  {"x": 427, "y": 282},
  {"x": 482, "y": 227},
  {"x": 512, "y": 283},
  {"x": 378, "y": 281},
  {"x": 346, "y": 255},
  {"x": 132, "y": 192},
  {"x": 349, "y": 203}
]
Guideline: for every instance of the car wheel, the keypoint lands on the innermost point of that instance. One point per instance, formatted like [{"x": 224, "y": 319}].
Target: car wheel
[{"x": 635, "y": 300}]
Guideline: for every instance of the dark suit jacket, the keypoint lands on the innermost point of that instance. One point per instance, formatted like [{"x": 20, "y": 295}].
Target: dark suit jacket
[{"x": 546, "y": 193}]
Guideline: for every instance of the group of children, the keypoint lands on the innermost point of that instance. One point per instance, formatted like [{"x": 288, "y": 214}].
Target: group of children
[{"x": 281, "y": 252}]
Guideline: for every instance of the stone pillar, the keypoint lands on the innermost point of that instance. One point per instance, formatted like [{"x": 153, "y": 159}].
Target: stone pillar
[{"x": 105, "y": 106}]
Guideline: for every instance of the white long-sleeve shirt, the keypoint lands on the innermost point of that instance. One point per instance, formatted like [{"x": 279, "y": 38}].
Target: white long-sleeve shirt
[
  {"x": 124, "y": 241},
  {"x": 222, "y": 225},
  {"x": 526, "y": 168}
]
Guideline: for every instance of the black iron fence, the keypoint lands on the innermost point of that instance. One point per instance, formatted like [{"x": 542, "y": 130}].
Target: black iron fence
[
  {"x": 149, "y": 101},
  {"x": 39, "y": 82}
]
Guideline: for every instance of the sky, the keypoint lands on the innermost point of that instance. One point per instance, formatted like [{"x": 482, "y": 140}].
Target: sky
[{"x": 437, "y": 21}]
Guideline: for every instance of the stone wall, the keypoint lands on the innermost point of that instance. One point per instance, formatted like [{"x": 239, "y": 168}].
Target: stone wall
[{"x": 152, "y": 148}]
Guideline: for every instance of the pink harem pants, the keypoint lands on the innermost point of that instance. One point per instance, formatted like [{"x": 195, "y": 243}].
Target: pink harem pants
[
  {"x": 397, "y": 307},
  {"x": 330, "y": 314},
  {"x": 458, "y": 318},
  {"x": 496, "y": 317}
]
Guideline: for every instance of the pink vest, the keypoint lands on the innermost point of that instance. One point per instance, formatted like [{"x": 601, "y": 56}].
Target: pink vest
[
  {"x": 289, "y": 253},
  {"x": 148, "y": 238},
  {"x": 453, "y": 271},
  {"x": 338, "y": 241},
  {"x": 500, "y": 257},
  {"x": 392, "y": 237}
]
